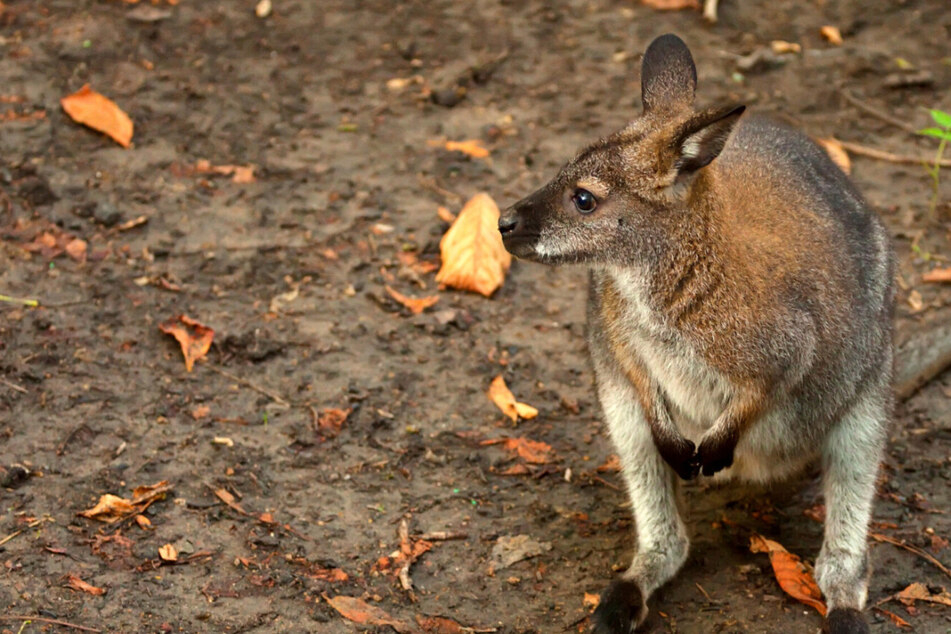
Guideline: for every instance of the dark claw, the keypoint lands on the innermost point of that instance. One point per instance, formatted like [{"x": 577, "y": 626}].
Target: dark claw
[
  {"x": 845, "y": 621},
  {"x": 621, "y": 610},
  {"x": 716, "y": 453},
  {"x": 680, "y": 455}
]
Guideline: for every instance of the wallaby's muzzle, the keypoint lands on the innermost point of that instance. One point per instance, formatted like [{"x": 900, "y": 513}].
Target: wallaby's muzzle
[{"x": 519, "y": 227}]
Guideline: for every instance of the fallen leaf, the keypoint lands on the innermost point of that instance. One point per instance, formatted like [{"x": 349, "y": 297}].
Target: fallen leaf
[
  {"x": 671, "y": 5},
  {"x": 223, "y": 441},
  {"x": 445, "y": 215},
  {"x": 194, "y": 337},
  {"x": 89, "y": 108},
  {"x": 241, "y": 174},
  {"x": 937, "y": 275},
  {"x": 509, "y": 550},
  {"x": 920, "y": 592},
  {"x": 516, "y": 469},
  {"x": 591, "y": 601},
  {"x": 832, "y": 34},
  {"x": 76, "y": 583},
  {"x": 333, "y": 575},
  {"x": 503, "y": 398},
  {"x": 416, "y": 305},
  {"x": 611, "y": 465},
  {"x": 359, "y": 611},
  {"x": 331, "y": 420},
  {"x": 143, "y": 522},
  {"x": 915, "y": 301},
  {"x": 793, "y": 576},
  {"x": 112, "y": 508},
  {"x": 781, "y": 46},
  {"x": 201, "y": 412},
  {"x": 76, "y": 249},
  {"x": 473, "y": 256},
  {"x": 472, "y": 147},
  {"x": 227, "y": 498},
  {"x": 938, "y": 543},
  {"x": 531, "y": 451},
  {"x": 168, "y": 553},
  {"x": 263, "y": 8},
  {"x": 837, "y": 153},
  {"x": 897, "y": 620},
  {"x": 440, "y": 625}
]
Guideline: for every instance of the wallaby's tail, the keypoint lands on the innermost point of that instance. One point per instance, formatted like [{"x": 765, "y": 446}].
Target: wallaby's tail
[{"x": 922, "y": 357}]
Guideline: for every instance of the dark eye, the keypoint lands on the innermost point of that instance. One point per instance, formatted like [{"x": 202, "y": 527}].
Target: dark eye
[{"x": 584, "y": 201}]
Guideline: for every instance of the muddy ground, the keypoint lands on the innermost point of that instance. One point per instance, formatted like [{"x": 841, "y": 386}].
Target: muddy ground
[{"x": 95, "y": 399}]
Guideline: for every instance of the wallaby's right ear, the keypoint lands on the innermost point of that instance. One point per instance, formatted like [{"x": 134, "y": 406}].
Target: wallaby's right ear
[{"x": 668, "y": 74}]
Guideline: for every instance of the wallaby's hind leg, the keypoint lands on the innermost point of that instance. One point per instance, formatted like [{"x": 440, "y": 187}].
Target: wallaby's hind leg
[
  {"x": 850, "y": 458},
  {"x": 662, "y": 541}
]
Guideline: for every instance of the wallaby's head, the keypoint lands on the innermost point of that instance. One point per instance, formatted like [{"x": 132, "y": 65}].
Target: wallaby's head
[{"x": 627, "y": 193}]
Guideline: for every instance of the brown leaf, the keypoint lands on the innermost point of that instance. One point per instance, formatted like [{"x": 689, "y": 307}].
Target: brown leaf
[
  {"x": 919, "y": 592},
  {"x": 937, "y": 275},
  {"x": 110, "y": 508},
  {"x": 439, "y": 625},
  {"x": 445, "y": 215},
  {"x": 168, "y": 553},
  {"x": 202, "y": 411},
  {"x": 228, "y": 499},
  {"x": 333, "y": 575},
  {"x": 591, "y": 601},
  {"x": 241, "y": 174},
  {"x": 143, "y": 522},
  {"x": 516, "y": 469},
  {"x": 359, "y": 611},
  {"x": 793, "y": 576},
  {"x": 671, "y": 5},
  {"x": 500, "y": 394},
  {"x": 531, "y": 451},
  {"x": 76, "y": 249},
  {"x": 473, "y": 256},
  {"x": 331, "y": 420},
  {"x": 611, "y": 465},
  {"x": 472, "y": 147},
  {"x": 837, "y": 153},
  {"x": 416, "y": 305},
  {"x": 76, "y": 583},
  {"x": 832, "y": 34},
  {"x": 897, "y": 620},
  {"x": 100, "y": 113},
  {"x": 194, "y": 337}
]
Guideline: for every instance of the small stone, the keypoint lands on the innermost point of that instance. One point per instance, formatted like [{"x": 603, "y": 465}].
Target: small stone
[
  {"x": 106, "y": 214},
  {"x": 448, "y": 97}
]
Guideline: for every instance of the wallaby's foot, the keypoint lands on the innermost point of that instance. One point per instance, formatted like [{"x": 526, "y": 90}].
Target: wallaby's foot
[
  {"x": 716, "y": 451},
  {"x": 680, "y": 454},
  {"x": 622, "y": 608},
  {"x": 845, "y": 621}
]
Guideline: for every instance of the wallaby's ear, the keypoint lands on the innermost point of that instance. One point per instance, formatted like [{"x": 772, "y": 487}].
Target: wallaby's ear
[
  {"x": 701, "y": 138},
  {"x": 668, "y": 74}
]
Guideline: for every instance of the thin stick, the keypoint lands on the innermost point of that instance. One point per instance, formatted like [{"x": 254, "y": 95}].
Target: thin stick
[
  {"x": 881, "y": 155},
  {"x": 875, "y": 112},
  {"x": 277, "y": 398},
  {"x": 13, "y": 386},
  {"x": 19, "y": 300},
  {"x": 912, "y": 549},
  {"x": 32, "y": 524},
  {"x": 18, "y": 617}
]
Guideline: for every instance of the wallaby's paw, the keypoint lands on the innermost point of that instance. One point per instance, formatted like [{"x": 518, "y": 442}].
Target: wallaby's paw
[
  {"x": 680, "y": 454},
  {"x": 716, "y": 451},
  {"x": 621, "y": 610},
  {"x": 845, "y": 621}
]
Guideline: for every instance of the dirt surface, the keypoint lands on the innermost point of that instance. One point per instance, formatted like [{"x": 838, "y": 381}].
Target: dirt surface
[{"x": 95, "y": 399}]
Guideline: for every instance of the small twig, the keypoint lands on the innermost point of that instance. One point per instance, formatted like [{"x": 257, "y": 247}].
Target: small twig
[
  {"x": 439, "y": 536},
  {"x": 14, "y": 386},
  {"x": 912, "y": 549},
  {"x": 605, "y": 482},
  {"x": 875, "y": 112},
  {"x": 40, "y": 619},
  {"x": 710, "y": 10},
  {"x": 881, "y": 155},
  {"x": 19, "y": 300},
  {"x": 32, "y": 524},
  {"x": 277, "y": 398}
]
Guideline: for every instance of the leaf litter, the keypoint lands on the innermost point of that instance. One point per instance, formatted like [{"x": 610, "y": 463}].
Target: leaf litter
[
  {"x": 500, "y": 394},
  {"x": 473, "y": 256},
  {"x": 793, "y": 576},
  {"x": 193, "y": 336},
  {"x": 112, "y": 508},
  {"x": 88, "y": 107}
]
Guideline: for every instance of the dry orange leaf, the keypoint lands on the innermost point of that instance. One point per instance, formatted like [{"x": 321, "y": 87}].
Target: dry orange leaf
[
  {"x": 937, "y": 275},
  {"x": 611, "y": 465},
  {"x": 334, "y": 575},
  {"x": 89, "y": 108},
  {"x": 76, "y": 583},
  {"x": 793, "y": 576},
  {"x": 241, "y": 174},
  {"x": 112, "y": 508},
  {"x": 76, "y": 249},
  {"x": 897, "y": 620},
  {"x": 331, "y": 420},
  {"x": 416, "y": 305},
  {"x": 472, "y": 147},
  {"x": 671, "y": 5},
  {"x": 143, "y": 522},
  {"x": 168, "y": 553},
  {"x": 227, "y": 498},
  {"x": 837, "y": 153},
  {"x": 200, "y": 412},
  {"x": 591, "y": 601},
  {"x": 445, "y": 215},
  {"x": 531, "y": 451},
  {"x": 194, "y": 337},
  {"x": 473, "y": 256},
  {"x": 919, "y": 592},
  {"x": 832, "y": 34},
  {"x": 440, "y": 625},
  {"x": 500, "y": 394},
  {"x": 359, "y": 611}
]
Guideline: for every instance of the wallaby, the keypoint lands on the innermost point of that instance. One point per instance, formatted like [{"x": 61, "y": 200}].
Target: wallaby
[{"x": 739, "y": 318}]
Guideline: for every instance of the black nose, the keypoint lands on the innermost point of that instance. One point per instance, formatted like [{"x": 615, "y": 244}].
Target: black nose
[{"x": 507, "y": 224}]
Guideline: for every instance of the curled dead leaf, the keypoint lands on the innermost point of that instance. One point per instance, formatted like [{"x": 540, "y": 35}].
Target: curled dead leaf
[
  {"x": 473, "y": 256},
  {"x": 359, "y": 611},
  {"x": 193, "y": 336},
  {"x": 416, "y": 305},
  {"x": 76, "y": 249},
  {"x": 937, "y": 275},
  {"x": 471, "y": 147},
  {"x": 168, "y": 553},
  {"x": 832, "y": 34},
  {"x": 920, "y": 592},
  {"x": 143, "y": 522},
  {"x": 531, "y": 451},
  {"x": 330, "y": 421},
  {"x": 440, "y": 625},
  {"x": 897, "y": 620},
  {"x": 76, "y": 583},
  {"x": 111, "y": 508},
  {"x": 591, "y": 601},
  {"x": 837, "y": 153},
  {"x": 500, "y": 394},
  {"x": 611, "y": 465},
  {"x": 794, "y": 578},
  {"x": 98, "y": 112}
]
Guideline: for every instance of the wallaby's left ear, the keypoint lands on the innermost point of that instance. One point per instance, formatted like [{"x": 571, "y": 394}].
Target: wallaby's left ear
[{"x": 701, "y": 138}]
